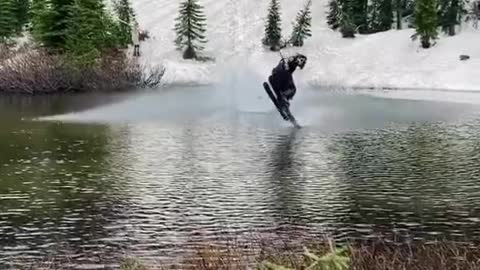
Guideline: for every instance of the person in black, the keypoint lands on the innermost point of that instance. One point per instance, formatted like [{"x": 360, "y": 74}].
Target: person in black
[{"x": 281, "y": 78}]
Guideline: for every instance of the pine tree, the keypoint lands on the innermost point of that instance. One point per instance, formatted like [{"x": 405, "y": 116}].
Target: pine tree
[
  {"x": 398, "y": 14},
  {"x": 22, "y": 8},
  {"x": 190, "y": 28},
  {"x": 450, "y": 15},
  {"x": 7, "y": 19},
  {"x": 425, "y": 22},
  {"x": 50, "y": 22},
  {"x": 90, "y": 32},
  {"x": 347, "y": 28},
  {"x": 385, "y": 15},
  {"x": 373, "y": 15},
  {"x": 339, "y": 17},
  {"x": 125, "y": 14},
  {"x": 333, "y": 13},
  {"x": 273, "y": 31},
  {"x": 358, "y": 13},
  {"x": 301, "y": 28},
  {"x": 381, "y": 15},
  {"x": 346, "y": 20}
]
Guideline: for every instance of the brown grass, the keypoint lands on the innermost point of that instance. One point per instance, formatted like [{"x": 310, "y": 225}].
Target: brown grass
[
  {"x": 440, "y": 255},
  {"x": 378, "y": 255},
  {"x": 38, "y": 72},
  {"x": 372, "y": 255}
]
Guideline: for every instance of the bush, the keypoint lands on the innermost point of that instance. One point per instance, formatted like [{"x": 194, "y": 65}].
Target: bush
[{"x": 39, "y": 72}]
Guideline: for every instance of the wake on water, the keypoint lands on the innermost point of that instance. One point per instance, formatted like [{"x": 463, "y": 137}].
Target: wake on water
[
  {"x": 239, "y": 93},
  {"x": 244, "y": 90},
  {"x": 241, "y": 101}
]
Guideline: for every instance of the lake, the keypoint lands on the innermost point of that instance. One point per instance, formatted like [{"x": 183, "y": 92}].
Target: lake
[{"x": 152, "y": 175}]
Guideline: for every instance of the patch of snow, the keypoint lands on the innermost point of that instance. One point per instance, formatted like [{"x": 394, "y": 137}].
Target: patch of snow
[
  {"x": 235, "y": 28},
  {"x": 459, "y": 96},
  {"x": 391, "y": 60}
]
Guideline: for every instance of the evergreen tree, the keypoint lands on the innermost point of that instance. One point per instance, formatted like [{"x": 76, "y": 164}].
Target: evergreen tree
[
  {"x": 385, "y": 15},
  {"x": 358, "y": 13},
  {"x": 7, "y": 19},
  {"x": 398, "y": 13},
  {"x": 50, "y": 20},
  {"x": 450, "y": 15},
  {"x": 425, "y": 22},
  {"x": 381, "y": 16},
  {"x": 301, "y": 28},
  {"x": 90, "y": 32},
  {"x": 333, "y": 13},
  {"x": 339, "y": 17},
  {"x": 347, "y": 28},
  {"x": 373, "y": 15},
  {"x": 21, "y": 12},
  {"x": 273, "y": 31},
  {"x": 346, "y": 21},
  {"x": 126, "y": 15},
  {"x": 190, "y": 28},
  {"x": 407, "y": 11}
]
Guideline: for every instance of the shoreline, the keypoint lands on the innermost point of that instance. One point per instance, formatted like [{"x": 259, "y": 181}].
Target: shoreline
[{"x": 274, "y": 254}]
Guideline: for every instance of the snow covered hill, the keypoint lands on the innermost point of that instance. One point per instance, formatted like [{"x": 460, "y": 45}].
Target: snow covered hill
[{"x": 235, "y": 28}]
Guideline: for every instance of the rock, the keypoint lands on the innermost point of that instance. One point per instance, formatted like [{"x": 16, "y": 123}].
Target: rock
[{"x": 464, "y": 57}]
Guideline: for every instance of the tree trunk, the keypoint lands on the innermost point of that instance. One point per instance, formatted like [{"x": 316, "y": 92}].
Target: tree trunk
[
  {"x": 454, "y": 12},
  {"x": 189, "y": 53},
  {"x": 425, "y": 42},
  {"x": 399, "y": 14},
  {"x": 451, "y": 30}
]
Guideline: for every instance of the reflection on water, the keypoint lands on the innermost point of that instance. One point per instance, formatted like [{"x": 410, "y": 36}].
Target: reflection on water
[
  {"x": 422, "y": 178},
  {"x": 285, "y": 177},
  {"x": 54, "y": 188},
  {"x": 97, "y": 192}
]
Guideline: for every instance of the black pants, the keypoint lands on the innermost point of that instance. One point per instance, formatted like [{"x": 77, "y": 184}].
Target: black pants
[
  {"x": 136, "y": 50},
  {"x": 282, "y": 100}
]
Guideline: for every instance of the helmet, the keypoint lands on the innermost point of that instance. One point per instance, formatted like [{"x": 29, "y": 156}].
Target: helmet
[
  {"x": 301, "y": 60},
  {"x": 298, "y": 60}
]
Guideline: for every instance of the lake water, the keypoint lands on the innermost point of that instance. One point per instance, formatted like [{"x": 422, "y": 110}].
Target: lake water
[{"x": 152, "y": 175}]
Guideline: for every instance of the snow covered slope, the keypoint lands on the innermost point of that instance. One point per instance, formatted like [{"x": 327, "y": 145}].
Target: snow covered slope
[{"x": 235, "y": 29}]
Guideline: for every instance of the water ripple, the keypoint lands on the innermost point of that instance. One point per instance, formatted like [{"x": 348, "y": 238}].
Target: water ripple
[{"x": 156, "y": 191}]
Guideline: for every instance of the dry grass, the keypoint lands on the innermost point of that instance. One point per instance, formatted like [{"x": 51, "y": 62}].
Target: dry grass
[
  {"x": 443, "y": 255},
  {"x": 264, "y": 254},
  {"x": 38, "y": 72},
  {"x": 377, "y": 255}
]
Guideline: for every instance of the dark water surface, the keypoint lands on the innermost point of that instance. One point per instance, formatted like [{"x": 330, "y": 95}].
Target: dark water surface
[{"x": 151, "y": 177}]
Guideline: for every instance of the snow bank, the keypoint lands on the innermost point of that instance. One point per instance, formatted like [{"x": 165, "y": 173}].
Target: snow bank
[
  {"x": 235, "y": 28},
  {"x": 391, "y": 60}
]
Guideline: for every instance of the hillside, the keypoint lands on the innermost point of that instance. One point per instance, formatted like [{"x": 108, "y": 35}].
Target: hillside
[{"x": 235, "y": 28}]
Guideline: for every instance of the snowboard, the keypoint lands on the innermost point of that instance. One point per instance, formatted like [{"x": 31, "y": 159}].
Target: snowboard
[{"x": 283, "y": 110}]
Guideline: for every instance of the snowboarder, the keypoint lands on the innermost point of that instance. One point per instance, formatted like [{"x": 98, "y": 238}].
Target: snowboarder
[{"x": 281, "y": 79}]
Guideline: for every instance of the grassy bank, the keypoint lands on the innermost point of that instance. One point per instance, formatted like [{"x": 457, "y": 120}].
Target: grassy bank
[
  {"x": 327, "y": 256},
  {"x": 269, "y": 254},
  {"x": 36, "y": 71}
]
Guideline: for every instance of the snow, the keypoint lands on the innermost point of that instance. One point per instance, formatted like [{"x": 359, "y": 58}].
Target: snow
[
  {"x": 391, "y": 60},
  {"x": 235, "y": 28},
  {"x": 456, "y": 96}
]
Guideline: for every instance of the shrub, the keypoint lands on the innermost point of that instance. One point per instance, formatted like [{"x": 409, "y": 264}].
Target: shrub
[{"x": 38, "y": 72}]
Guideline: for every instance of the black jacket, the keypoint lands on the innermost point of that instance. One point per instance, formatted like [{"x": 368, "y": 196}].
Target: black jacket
[{"x": 282, "y": 80}]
